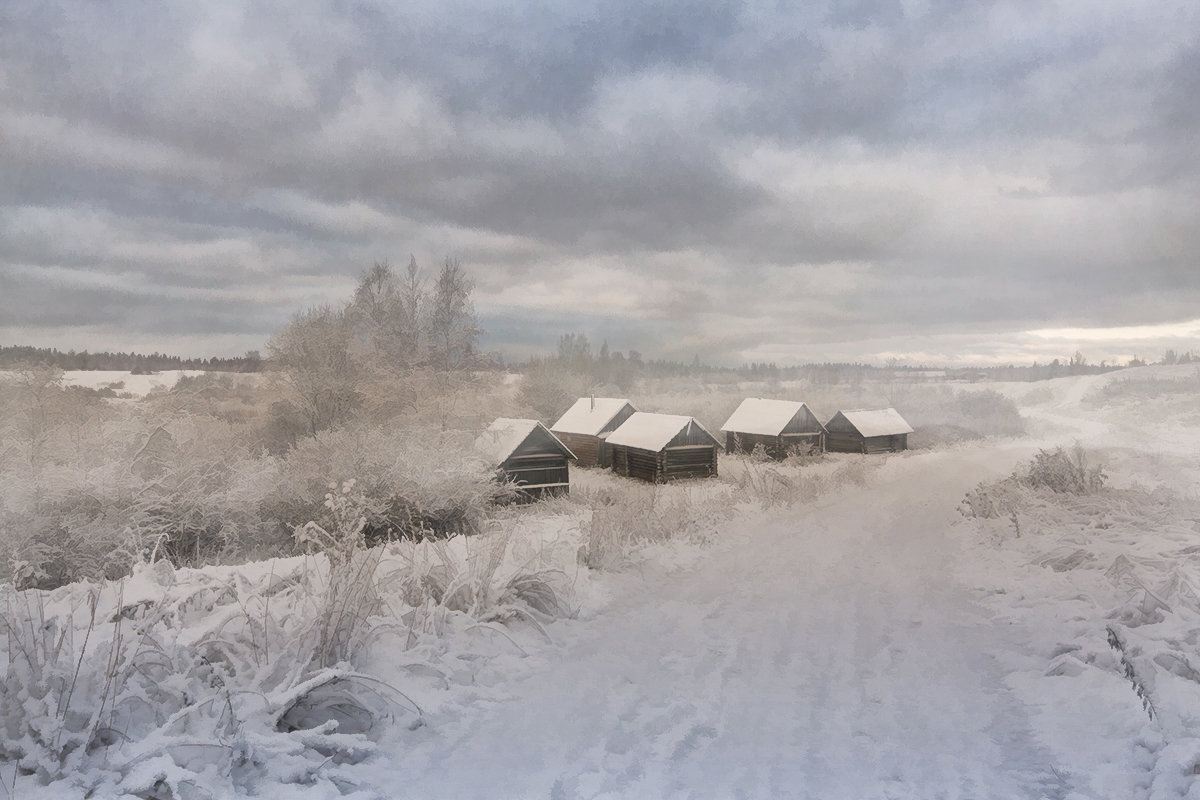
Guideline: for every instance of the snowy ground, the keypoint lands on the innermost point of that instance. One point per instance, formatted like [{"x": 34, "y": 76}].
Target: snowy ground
[
  {"x": 126, "y": 382},
  {"x": 870, "y": 643},
  {"x": 825, "y": 652}
]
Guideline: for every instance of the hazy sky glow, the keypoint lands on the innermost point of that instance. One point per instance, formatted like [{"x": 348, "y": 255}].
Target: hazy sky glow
[{"x": 943, "y": 182}]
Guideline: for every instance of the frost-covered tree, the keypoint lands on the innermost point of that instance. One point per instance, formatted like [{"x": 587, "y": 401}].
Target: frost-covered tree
[
  {"x": 452, "y": 327},
  {"x": 35, "y": 392},
  {"x": 316, "y": 369},
  {"x": 386, "y": 316}
]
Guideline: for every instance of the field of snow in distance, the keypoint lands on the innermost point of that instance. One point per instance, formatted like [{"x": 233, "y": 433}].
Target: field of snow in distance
[{"x": 126, "y": 382}]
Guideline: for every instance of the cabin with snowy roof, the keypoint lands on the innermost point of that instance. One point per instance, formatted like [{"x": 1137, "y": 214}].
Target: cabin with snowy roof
[
  {"x": 663, "y": 447},
  {"x": 526, "y": 453},
  {"x": 880, "y": 430},
  {"x": 586, "y": 425},
  {"x": 780, "y": 427}
]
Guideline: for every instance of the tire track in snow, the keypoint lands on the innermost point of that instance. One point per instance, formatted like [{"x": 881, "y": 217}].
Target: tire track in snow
[{"x": 826, "y": 654}]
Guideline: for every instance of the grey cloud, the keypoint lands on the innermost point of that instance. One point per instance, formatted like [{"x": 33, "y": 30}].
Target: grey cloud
[
  {"x": 321, "y": 136},
  {"x": 35, "y": 303}
]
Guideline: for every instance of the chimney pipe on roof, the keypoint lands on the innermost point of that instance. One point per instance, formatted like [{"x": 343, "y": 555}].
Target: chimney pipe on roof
[{"x": 593, "y": 402}]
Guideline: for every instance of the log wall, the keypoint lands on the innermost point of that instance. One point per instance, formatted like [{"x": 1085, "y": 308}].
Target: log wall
[{"x": 673, "y": 463}]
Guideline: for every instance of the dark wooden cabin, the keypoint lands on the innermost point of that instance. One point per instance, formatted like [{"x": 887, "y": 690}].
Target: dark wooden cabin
[
  {"x": 525, "y": 452},
  {"x": 880, "y": 430},
  {"x": 780, "y": 427},
  {"x": 663, "y": 447},
  {"x": 586, "y": 425}
]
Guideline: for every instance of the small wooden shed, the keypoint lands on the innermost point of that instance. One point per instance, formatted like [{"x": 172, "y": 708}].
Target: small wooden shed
[
  {"x": 880, "y": 430},
  {"x": 525, "y": 452},
  {"x": 586, "y": 425},
  {"x": 663, "y": 447},
  {"x": 781, "y": 427}
]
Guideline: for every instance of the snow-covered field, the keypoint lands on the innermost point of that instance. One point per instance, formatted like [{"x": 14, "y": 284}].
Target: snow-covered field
[
  {"x": 126, "y": 382},
  {"x": 868, "y": 641}
]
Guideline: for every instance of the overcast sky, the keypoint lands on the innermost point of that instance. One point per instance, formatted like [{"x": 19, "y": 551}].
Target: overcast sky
[{"x": 945, "y": 182}]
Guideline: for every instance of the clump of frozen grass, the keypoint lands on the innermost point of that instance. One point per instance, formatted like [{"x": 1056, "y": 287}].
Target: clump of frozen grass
[
  {"x": 1064, "y": 472},
  {"x": 757, "y": 476},
  {"x": 776, "y": 484},
  {"x": 139, "y": 686},
  {"x": 621, "y": 520},
  {"x": 350, "y": 596}
]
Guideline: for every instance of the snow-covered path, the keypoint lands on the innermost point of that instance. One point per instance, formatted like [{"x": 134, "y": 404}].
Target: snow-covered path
[{"x": 828, "y": 653}]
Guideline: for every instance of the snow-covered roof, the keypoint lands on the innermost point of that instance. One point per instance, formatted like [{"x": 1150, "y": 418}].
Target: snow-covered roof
[
  {"x": 877, "y": 422},
  {"x": 589, "y": 415},
  {"x": 763, "y": 417},
  {"x": 504, "y": 436},
  {"x": 652, "y": 431}
]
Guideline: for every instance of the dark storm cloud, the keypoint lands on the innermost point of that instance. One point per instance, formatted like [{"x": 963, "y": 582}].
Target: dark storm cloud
[{"x": 712, "y": 179}]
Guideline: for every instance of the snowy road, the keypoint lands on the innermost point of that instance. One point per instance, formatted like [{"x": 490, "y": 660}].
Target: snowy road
[{"x": 829, "y": 653}]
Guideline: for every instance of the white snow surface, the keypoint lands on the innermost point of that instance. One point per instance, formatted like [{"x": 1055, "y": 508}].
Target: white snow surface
[
  {"x": 653, "y": 432},
  {"x": 503, "y": 436},
  {"x": 877, "y": 421},
  {"x": 127, "y": 382},
  {"x": 761, "y": 416},
  {"x": 870, "y": 643},
  {"x": 589, "y": 415}
]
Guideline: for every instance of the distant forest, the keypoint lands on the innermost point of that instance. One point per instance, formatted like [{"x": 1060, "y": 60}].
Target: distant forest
[
  {"x": 137, "y": 363},
  {"x": 574, "y": 353}
]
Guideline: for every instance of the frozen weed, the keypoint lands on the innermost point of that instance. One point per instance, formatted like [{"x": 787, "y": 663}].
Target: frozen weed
[
  {"x": 1139, "y": 687},
  {"x": 350, "y": 596}
]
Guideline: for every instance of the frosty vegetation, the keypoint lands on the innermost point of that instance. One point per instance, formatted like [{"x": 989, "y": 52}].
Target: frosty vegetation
[{"x": 252, "y": 578}]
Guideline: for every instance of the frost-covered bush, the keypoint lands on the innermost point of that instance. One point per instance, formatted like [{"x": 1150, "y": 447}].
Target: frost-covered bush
[
  {"x": 941, "y": 416},
  {"x": 420, "y": 483},
  {"x": 186, "y": 489},
  {"x": 1050, "y": 472},
  {"x": 152, "y": 480},
  {"x": 1064, "y": 472},
  {"x": 631, "y": 514}
]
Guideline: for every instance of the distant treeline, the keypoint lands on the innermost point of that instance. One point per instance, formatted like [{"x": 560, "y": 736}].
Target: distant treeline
[
  {"x": 576, "y": 364},
  {"x": 137, "y": 363},
  {"x": 835, "y": 373}
]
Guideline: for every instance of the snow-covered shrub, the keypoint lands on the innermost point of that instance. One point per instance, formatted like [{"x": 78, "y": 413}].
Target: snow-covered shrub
[
  {"x": 420, "y": 483},
  {"x": 1049, "y": 473},
  {"x": 942, "y": 416},
  {"x": 1064, "y": 472}
]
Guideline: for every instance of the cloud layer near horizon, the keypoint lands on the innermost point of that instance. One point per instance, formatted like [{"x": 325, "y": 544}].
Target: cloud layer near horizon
[{"x": 743, "y": 181}]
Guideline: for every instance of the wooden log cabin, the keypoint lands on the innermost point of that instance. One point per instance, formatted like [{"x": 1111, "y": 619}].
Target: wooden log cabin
[
  {"x": 525, "y": 452},
  {"x": 586, "y": 425},
  {"x": 663, "y": 447},
  {"x": 780, "y": 427},
  {"x": 880, "y": 430}
]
